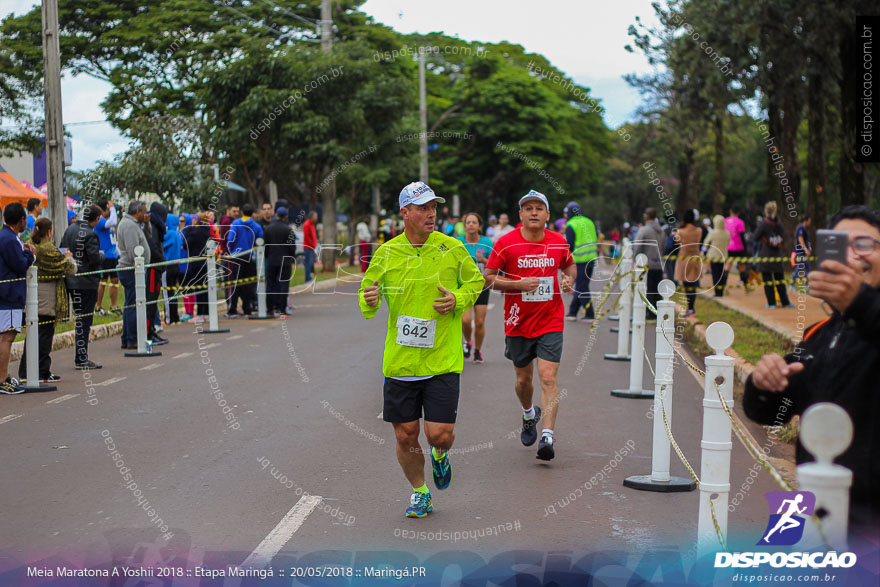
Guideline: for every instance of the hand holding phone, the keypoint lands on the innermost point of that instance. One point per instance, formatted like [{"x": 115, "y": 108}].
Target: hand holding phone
[{"x": 831, "y": 244}]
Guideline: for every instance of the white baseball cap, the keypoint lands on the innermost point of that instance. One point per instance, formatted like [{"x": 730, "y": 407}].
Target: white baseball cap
[
  {"x": 418, "y": 193},
  {"x": 533, "y": 195}
]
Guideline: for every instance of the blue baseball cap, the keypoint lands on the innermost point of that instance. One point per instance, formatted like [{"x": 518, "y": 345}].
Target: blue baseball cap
[
  {"x": 418, "y": 193},
  {"x": 533, "y": 195}
]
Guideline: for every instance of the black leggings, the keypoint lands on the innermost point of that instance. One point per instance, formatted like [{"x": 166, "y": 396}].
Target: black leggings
[
  {"x": 690, "y": 291},
  {"x": 719, "y": 277},
  {"x": 769, "y": 276}
]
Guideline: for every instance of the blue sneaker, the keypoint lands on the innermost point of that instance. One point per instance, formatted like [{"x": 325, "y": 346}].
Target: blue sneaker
[
  {"x": 546, "y": 452},
  {"x": 442, "y": 470},
  {"x": 420, "y": 505},
  {"x": 529, "y": 433}
]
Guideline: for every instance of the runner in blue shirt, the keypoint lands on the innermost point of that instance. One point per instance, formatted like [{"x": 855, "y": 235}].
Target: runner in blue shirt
[
  {"x": 479, "y": 248},
  {"x": 106, "y": 231}
]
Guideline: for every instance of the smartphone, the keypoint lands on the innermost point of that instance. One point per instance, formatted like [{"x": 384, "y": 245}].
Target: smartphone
[{"x": 831, "y": 244}]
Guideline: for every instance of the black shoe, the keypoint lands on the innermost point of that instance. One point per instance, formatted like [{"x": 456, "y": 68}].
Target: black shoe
[
  {"x": 11, "y": 387},
  {"x": 158, "y": 340},
  {"x": 128, "y": 347},
  {"x": 466, "y": 348},
  {"x": 529, "y": 429},
  {"x": 87, "y": 365},
  {"x": 546, "y": 452}
]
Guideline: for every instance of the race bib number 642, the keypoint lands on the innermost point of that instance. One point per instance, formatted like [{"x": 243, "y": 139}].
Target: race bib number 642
[{"x": 415, "y": 332}]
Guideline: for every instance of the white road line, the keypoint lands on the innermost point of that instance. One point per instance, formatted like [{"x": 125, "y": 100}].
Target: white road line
[
  {"x": 379, "y": 417},
  {"x": 257, "y": 329},
  {"x": 9, "y": 418},
  {"x": 181, "y": 355},
  {"x": 282, "y": 533},
  {"x": 490, "y": 306},
  {"x": 210, "y": 346},
  {"x": 150, "y": 366},
  {"x": 112, "y": 380},
  {"x": 235, "y": 337},
  {"x": 63, "y": 398}
]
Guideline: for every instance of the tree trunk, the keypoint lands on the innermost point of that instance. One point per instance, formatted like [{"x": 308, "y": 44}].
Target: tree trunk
[
  {"x": 817, "y": 173},
  {"x": 353, "y": 245},
  {"x": 852, "y": 173},
  {"x": 687, "y": 172},
  {"x": 718, "y": 187},
  {"x": 789, "y": 203},
  {"x": 328, "y": 255}
]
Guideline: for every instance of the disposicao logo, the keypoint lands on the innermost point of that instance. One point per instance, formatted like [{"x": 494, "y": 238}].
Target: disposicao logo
[
  {"x": 786, "y": 526},
  {"x": 789, "y": 512}
]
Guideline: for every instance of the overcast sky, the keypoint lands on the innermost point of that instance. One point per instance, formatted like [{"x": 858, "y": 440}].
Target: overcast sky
[{"x": 583, "y": 38}]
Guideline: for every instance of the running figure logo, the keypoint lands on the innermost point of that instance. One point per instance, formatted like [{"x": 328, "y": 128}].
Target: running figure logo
[
  {"x": 792, "y": 508},
  {"x": 513, "y": 319}
]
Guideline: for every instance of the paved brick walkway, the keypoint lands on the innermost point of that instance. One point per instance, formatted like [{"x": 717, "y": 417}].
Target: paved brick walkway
[{"x": 790, "y": 322}]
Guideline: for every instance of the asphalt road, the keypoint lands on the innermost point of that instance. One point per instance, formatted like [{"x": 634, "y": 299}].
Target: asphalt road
[{"x": 301, "y": 400}]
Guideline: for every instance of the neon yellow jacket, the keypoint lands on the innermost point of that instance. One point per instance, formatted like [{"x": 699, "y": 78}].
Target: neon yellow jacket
[{"x": 408, "y": 277}]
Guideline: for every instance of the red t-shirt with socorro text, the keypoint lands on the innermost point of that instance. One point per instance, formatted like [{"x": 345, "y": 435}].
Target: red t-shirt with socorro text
[{"x": 532, "y": 314}]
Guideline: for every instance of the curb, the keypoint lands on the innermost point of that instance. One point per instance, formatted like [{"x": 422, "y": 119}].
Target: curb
[
  {"x": 67, "y": 339},
  {"x": 724, "y": 301}
]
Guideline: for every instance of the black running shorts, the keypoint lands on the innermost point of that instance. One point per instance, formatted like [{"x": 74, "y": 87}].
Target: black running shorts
[
  {"x": 522, "y": 350},
  {"x": 483, "y": 300},
  {"x": 106, "y": 265},
  {"x": 437, "y": 397}
]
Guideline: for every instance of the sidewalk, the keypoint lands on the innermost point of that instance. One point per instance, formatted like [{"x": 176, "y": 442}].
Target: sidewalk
[{"x": 790, "y": 322}]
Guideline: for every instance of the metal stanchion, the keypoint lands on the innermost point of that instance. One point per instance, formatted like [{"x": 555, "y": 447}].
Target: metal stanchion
[
  {"x": 660, "y": 479},
  {"x": 31, "y": 336},
  {"x": 637, "y": 349},
  {"x": 211, "y": 263},
  {"x": 140, "y": 288},
  {"x": 261, "y": 282},
  {"x": 826, "y": 431},
  {"x": 716, "y": 444},
  {"x": 625, "y": 308}
]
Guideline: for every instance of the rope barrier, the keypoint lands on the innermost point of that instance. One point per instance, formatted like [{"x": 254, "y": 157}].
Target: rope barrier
[
  {"x": 737, "y": 259},
  {"x": 755, "y": 452},
  {"x": 159, "y": 264},
  {"x": 74, "y": 317}
]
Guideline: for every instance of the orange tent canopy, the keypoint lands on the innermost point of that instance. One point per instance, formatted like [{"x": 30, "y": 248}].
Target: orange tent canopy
[{"x": 12, "y": 191}]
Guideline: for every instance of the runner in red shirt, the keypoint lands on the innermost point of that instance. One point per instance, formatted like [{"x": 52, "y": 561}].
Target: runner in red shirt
[{"x": 534, "y": 314}]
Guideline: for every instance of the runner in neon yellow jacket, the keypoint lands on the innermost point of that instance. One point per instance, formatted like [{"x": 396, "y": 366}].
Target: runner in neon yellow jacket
[
  {"x": 408, "y": 277},
  {"x": 428, "y": 280}
]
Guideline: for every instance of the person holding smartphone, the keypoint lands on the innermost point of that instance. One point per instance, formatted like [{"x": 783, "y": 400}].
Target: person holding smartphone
[{"x": 837, "y": 361}]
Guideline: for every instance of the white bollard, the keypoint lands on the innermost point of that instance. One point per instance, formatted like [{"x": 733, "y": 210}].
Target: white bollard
[
  {"x": 637, "y": 348},
  {"x": 826, "y": 431},
  {"x": 211, "y": 264},
  {"x": 140, "y": 289},
  {"x": 716, "y": 444},
  {"x": 31, "y": 335},
  {"x": 261, "y": 282},
  {"x": 660, "y": 479},
  {"x": 614, "y": 304},
  {"x": 625, "y": 302}
]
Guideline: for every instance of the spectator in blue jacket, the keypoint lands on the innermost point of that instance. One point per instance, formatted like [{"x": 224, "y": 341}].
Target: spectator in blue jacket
[
  {"x": 242, "y": 236},
  {"x": 106, "y": 231},
  {"x": 15, "y": 258},
  {"x": 172, "y": 245}
]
